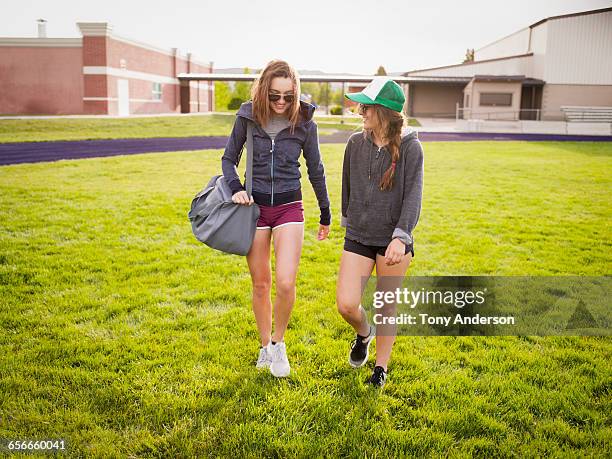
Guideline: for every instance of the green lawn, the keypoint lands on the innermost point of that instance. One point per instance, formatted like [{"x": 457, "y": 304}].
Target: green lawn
[
  {"x": 38, "y": 130},
  {"x": 126, "y": 337}
]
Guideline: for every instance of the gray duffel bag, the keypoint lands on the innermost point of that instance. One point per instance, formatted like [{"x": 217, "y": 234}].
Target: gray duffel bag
[{"x": 220, "y": 223}]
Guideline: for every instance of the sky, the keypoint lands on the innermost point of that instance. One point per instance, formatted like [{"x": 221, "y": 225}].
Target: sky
[{"x": 332, "y": 36}]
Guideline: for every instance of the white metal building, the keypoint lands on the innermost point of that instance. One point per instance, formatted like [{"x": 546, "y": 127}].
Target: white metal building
[{"x": 534, "y": 73}]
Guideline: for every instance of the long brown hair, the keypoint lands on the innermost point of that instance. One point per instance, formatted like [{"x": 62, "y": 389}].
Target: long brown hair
[
  {"x": 261, "y": 88},
  {"x": 389, "y": 131}
]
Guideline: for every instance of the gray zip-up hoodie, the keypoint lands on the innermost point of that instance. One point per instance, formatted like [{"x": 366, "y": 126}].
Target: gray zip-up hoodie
[{"x": 372, "y": 216}]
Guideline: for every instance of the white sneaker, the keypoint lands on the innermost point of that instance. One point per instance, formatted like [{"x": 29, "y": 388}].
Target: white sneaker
[
  {"x": 280, "y": 364},
  {"x": 265, "y": 358}
]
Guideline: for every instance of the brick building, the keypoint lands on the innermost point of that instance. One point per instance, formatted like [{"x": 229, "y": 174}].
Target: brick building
[{"x": 100, "y": 73}]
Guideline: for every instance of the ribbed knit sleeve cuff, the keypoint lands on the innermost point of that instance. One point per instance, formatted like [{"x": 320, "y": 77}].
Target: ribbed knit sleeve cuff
[
  {"x": 325, "y": 216},
  {"x": 402, "y": 235},
  {"x": 235, "y": 186}
]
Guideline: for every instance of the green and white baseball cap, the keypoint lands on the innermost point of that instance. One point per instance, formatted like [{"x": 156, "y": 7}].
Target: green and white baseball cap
[{"x": 382, "y": 91}]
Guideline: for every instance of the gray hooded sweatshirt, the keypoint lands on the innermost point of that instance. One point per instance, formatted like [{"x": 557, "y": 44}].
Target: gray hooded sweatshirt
[{"x": 372, "y": 216}]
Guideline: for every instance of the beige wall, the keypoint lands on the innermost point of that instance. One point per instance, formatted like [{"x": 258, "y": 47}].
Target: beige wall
[
  {"x": 556, "y": 95},
  {"x": 435, "y": 100},
  {"x": 475, "y": 88},
  {"x": 579, "y": 50},
  {"x": 539, "y": 39},
  {"x": 468, "y": 102},
  {"x": 511, "y": 45}
]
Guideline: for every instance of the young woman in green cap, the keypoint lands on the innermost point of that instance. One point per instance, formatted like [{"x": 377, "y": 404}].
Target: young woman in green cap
[{"x": 382, "y": 182}]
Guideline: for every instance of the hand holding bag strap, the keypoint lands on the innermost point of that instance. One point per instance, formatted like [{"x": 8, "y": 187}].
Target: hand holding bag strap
[{"x": 249, "y": 165}]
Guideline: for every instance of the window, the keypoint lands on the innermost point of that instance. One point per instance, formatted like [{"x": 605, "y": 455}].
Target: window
[
  {"x": 467, "y": 100},
  {"x": 157, "y": 91},
  {"x": 495, "y": 99}
]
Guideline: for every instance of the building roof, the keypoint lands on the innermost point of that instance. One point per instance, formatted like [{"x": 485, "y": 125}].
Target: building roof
[
  {"x": 41, "y": 42},
  {"x": 510, "y": 79},
  {"x": 469, "y": 63},
  {"x": 535, "y": 24},
  {"x": 504, "y": 78},
  {"x": 581, "y": 13},
  {"x": 95, "y": 29}
]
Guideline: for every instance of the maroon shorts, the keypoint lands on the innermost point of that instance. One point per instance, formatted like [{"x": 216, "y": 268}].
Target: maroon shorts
[{"x": 285, "y": 214}]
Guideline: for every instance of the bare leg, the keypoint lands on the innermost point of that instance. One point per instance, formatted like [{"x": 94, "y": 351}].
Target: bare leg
[
  {"x": 353, "y": 268},
  {"x": 288, "y": 242},
  {"x": 258, "y": 259},
  {"x": 388, "y": 279}
]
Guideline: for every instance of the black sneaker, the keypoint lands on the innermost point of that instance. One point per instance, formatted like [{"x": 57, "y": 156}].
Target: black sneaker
[
  {"x": 359, "y": 349},
  {"x": 378, "y": 378}
]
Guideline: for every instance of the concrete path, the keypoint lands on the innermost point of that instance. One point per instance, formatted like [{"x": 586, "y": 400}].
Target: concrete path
[{"x": 32, "y": 152}]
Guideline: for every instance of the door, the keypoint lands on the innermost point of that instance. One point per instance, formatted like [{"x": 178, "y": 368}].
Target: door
[
  {"x": 123, "y": 96},
  {"x": 531, "y": 100}
]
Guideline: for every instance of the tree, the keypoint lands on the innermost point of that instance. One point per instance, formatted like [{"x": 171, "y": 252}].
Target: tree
[
  {"x": 324, "y": 94},
  {"x": 222, "y": 95},
  {"x": 469, "y": 55},
  {"x": 242, "y": 90},
  {"x": 313, "y": 89},
  {"x": 337, "y": 97},
  {"x": 381, "y": 71}
]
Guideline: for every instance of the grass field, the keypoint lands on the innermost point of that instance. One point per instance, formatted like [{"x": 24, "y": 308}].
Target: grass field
[
  {"x": 39, "y": 130},
  {"x": 127, "y": 338}
]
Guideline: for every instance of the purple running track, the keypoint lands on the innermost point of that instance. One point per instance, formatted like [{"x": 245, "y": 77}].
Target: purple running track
[{"x": 33, "y": 152}]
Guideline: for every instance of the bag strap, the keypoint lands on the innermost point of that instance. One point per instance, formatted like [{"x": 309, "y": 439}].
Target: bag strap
[{"x": 249, "y": 164}]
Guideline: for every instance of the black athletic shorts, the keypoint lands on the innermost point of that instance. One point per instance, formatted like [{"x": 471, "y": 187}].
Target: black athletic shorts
[{"x": 369, "y": 251}]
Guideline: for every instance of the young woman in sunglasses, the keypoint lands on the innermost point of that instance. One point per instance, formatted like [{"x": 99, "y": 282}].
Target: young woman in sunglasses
[
  {"x": 382, "y": 181},
  {"x": 283, "y": 129}
]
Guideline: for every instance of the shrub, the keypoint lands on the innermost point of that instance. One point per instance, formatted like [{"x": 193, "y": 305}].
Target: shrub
[
  {"x": 235, "y": 103},
  {"x": 335, "y": 110}
]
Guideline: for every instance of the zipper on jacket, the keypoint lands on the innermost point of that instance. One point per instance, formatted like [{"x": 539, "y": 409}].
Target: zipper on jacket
[
  {"x": 380, "y": 167},
  {"x": 272, "y": 174},
  {"x": 272, "y": 165},
  {"x": 370, "y": 184},
  {"x": 368, "y": 191}
]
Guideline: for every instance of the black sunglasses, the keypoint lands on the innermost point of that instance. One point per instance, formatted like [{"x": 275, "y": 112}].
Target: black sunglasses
[{"x": 276, "y": 97}]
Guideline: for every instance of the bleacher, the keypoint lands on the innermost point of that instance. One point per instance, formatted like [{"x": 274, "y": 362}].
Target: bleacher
[{"x": 587, "y": 114}]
